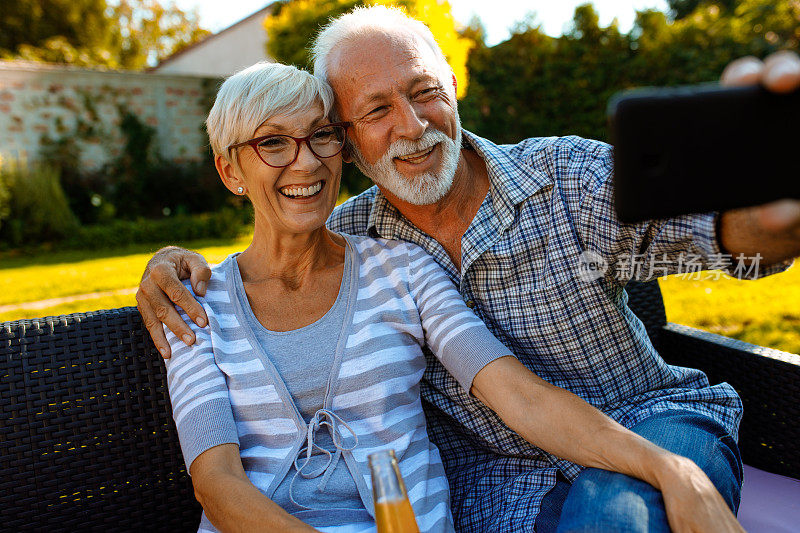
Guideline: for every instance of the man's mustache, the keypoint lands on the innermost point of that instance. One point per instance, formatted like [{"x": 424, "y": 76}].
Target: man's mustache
[{"x": 405, "y": 147}]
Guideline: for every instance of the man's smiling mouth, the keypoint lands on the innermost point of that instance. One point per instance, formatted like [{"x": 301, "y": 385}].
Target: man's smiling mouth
[
  {"x": 417, "y": 157},
  {"x": 293, "y": 191}
]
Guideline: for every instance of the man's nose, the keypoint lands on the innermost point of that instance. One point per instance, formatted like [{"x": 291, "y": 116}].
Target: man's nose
[{"x": 410, "y": 124}]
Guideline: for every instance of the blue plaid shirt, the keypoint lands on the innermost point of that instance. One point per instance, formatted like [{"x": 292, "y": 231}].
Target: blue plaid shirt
[{"x": 550, "y": 199}]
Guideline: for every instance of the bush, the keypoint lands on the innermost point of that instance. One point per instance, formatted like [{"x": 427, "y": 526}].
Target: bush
[
  {"x": 5, "y": 195},
  {"x": 167, "y": 187},
  {"x": 37, "y": 210},
  {"x": 137, "y": 183},
  {"x": 227, "y": 224}
]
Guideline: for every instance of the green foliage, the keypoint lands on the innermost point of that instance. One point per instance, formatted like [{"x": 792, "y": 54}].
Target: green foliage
[
  {"x": 226, "y": 223},
  {"x": 69, "y": 28},
  {"x": 5, "y": 195},
  {"x": 168, "y": 187},
  {"x": 127, "y": 34},
  {"x": 125, "y": 201},
  {"x": 139, "y": 182},
  {"x": 697, "y": 47},
  {"x": 536, "y": 85},
  {"x": 293, "y": 25},
  {"x": 682, "y": 8},
  {"x": 126, "y": 172},
  {"x": 38, "y": 209}
]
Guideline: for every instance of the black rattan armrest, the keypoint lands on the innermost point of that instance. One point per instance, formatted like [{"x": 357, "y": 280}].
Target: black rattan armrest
[
  {"x": 768, "y": 382},
  {"x": 87, "y": 441}
]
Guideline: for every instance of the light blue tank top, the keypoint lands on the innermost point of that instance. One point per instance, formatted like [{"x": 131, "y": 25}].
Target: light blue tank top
[{"x": 303, "y": 358}]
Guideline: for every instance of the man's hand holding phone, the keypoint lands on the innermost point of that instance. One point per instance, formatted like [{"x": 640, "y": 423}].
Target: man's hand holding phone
[
  {"x": 724, "y": 148},
  {"x": 773, "y": 228}
]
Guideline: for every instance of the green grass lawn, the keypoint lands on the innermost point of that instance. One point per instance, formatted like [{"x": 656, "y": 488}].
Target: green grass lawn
[
  {"x": 29, "y": 278},
  {"x": 765, "y": 312}
]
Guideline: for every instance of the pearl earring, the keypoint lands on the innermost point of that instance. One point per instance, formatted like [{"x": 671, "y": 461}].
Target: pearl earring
[{"x": 240, "y": 190}]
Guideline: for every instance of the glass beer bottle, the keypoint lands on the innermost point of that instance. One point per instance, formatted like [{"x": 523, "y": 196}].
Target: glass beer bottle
[{"x": 393, "y": 512}]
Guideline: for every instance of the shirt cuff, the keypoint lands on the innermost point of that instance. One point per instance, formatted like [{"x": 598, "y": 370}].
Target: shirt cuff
[
  {"x": 706, "y": 238},
  {"x": 468, "y": 352}
]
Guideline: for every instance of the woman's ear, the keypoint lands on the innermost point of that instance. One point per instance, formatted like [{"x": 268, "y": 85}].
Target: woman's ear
[{"x": 228, "y": 173}]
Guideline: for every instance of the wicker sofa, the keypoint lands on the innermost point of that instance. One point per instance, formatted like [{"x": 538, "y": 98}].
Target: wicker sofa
[{"x": 87, "y": 440}]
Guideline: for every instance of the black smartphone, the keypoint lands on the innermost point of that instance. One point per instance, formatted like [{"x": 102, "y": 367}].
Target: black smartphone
[{"x": 703, "y": 148}]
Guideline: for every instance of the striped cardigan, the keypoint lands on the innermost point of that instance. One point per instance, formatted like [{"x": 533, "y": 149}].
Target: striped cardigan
[{"x": 400, "y": 300}]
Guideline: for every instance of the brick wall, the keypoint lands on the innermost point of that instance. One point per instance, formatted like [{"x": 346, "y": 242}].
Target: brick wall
[{"x": 38, "y": 100}]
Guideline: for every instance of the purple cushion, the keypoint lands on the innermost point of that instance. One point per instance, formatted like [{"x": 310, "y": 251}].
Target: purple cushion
[{"x": 770, "y": 503}]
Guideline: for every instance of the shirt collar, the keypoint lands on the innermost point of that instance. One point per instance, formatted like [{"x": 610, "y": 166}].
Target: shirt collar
[
  {"x": 512, "y": 179},
  {"x": 383, "y": 218},
  {"x": 512, "y": 176}
]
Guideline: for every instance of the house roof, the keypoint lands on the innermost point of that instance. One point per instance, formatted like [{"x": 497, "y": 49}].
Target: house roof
[
  {"x": 263, "y": 12},
  {"x": 21, "y": 65}
]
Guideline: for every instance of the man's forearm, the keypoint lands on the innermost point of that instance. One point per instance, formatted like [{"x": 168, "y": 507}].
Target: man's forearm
[
  {"x": 742, "y": 231},
  {"x": 565, "y": 425}
]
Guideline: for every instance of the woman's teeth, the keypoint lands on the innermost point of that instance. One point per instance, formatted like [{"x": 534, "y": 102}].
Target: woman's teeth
[{"x": 302, "y": 192}]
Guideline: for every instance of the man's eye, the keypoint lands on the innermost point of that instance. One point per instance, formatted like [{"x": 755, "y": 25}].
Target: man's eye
[
  {"x": 378, "y": 110},
  {"x": 427, "y": 94}
]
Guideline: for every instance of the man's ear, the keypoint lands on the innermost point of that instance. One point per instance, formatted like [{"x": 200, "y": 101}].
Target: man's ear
[
  {"x": 227, "y": 173},
  {"x": 455, "y": 83}
]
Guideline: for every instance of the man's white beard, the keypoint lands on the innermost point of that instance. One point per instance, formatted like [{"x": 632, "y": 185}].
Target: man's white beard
[{"x": 423, "y": 189}]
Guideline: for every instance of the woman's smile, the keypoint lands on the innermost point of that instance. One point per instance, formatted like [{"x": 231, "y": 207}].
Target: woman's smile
[{"x": 302, "y": 192}]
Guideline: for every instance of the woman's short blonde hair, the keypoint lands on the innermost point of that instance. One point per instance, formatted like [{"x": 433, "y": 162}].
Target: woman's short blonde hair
[{"x": 251, "y": 96}]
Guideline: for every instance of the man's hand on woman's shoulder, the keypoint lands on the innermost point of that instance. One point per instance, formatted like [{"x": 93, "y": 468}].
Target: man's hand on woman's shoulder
[{"x": 161, "y": 290}]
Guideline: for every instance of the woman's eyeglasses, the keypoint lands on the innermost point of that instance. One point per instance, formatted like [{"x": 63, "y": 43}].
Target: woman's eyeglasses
[{"x": 280, "y": 151}]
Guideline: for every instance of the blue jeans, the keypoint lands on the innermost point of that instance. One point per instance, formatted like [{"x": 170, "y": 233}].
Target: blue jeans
[{"x": 600, "y": 501}]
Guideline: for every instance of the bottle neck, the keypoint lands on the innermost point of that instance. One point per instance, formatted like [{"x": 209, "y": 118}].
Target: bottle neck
[{"x": 387, "y": 483}]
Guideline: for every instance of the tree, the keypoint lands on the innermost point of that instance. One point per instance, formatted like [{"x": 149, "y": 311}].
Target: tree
[
  {"x": 295, "y": 23},
  {"x": 697, "y": 47},
  {"x": 535, "y": 85},
  {"x": 682, "y": 8},
  {"x": 127, "y": 34},
  {"x": 149, "y": 32}
]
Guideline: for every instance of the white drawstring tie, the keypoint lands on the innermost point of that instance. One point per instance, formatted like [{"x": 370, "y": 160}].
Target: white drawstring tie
[{"x": 323, "y": 417}]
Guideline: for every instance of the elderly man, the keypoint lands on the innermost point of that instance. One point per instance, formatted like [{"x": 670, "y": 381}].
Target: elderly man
[{"x": 509, "y": 225}]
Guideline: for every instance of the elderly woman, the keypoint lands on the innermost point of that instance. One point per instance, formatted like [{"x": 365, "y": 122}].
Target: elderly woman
[{"x": 312, "y": 356}]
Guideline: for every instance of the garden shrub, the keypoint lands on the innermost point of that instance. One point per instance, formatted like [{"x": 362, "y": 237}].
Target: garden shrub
[
  {"x": 5, "y": 195},
  {"x": 168, "y": 187},
  {"x": 223, "y": 224},
  {"x": 38, "y": 210},
  {"x": 139, "y": 182}
]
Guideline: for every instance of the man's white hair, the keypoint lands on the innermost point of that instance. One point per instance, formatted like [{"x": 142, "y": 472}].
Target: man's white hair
[
  {"x": 363, "y": 21},
  {"x": 251, "y": 96}
]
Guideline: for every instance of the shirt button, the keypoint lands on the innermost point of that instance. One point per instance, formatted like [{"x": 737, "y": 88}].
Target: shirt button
[{"x": 470, "y": 304}]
